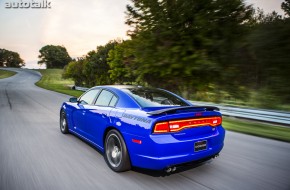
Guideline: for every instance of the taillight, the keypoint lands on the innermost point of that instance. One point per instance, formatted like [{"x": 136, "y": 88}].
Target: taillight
[
  {"x": 178, "y": 125},
  {"x": 161, "y": 127}
]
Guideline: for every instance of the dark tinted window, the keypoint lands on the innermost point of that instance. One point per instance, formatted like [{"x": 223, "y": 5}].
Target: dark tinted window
[
  {"x": 89, "y": 96},
  {"x": 105, "y": 98},
  {"x": 150, "y": 97}
]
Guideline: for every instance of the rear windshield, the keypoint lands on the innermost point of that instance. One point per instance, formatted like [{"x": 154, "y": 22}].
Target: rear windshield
[{"x": 151, "y": 97}]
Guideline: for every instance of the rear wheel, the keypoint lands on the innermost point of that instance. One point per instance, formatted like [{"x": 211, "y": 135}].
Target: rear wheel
[
  {"x": 116, "y": 154},
  {"x": 63, "y": 122}
]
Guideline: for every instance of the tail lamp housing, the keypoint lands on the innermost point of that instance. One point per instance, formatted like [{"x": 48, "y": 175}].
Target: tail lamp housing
[{"x": 178, "y": 125}]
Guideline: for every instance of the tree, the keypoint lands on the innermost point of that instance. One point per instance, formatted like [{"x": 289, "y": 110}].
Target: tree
[
  {"x": 54, "y": 56},
  {"x": 96, "y": 65},
  {"x": 92, "y": 69},
  {"x": 119, "y": 59},
  {"x": 10, "y": 59},
  {"x": 244, "y": 69},
  {"x": 185, "y": 45},
  {"x": 74, "y": 71},
  {"x": 260, "y": 17},
  {"x": 286, "y": 7},
  {"x": 270, "y": 45}
]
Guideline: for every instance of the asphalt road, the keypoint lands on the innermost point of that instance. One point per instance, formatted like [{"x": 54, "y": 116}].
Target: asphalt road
[{"x": 35, "y": 155}]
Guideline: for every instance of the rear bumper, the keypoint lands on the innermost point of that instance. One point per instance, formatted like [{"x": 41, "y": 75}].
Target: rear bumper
[{"x": 161, "y": 151}]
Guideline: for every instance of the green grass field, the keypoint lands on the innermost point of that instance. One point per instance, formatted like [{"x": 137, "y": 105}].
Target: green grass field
[
  {"x": 257, "y": 129},
  {"x": 51, "y": 80},
  {"x": 6, "y": 74}
]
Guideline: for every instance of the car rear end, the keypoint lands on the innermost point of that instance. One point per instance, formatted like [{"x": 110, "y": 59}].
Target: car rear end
[
  {"x": 167, "y": 130},
  {"x": 178, "y": 137}
]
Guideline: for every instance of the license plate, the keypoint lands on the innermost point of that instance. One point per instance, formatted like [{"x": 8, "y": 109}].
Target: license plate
[{"x": 200, "y": 145}]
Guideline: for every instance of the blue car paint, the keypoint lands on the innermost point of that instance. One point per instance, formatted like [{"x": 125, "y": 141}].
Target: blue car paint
[{"x": 157, "y": 151}]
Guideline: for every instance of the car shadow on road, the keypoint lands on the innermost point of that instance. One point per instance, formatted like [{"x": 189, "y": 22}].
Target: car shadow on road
[
  {"x": 86, "y": 142},
  {"x": 179, "y": 168}
]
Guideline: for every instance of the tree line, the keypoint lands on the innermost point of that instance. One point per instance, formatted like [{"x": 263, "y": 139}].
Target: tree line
[
  {"x": 10, "y": 59},
  {"x": 204, "y": 50}
]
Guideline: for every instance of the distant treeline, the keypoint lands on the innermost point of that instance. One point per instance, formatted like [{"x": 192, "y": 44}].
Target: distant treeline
[
  {"x": 204, "y": 50},
  {"x": 10, "y": 59}
]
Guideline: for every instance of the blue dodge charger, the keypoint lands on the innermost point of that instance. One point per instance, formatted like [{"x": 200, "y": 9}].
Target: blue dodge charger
[{"x": 143, "y": 127}]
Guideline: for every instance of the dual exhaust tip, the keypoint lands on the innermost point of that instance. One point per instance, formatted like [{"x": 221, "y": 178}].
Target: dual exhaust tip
[
  {"x": 215, "y": 156},
  {"x": 173, "y": 168},
  {"x": 170, "y": 169}
]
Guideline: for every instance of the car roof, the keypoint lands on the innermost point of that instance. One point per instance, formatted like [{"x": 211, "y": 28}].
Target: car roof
[
  {"x": 120, "y": 86},
  {"x": 125, "y": 100}
]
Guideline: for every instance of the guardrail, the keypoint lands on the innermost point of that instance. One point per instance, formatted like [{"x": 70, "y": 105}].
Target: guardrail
[
  {"x": 271, "y": 116},
  {"x": 80, "y": 88}
]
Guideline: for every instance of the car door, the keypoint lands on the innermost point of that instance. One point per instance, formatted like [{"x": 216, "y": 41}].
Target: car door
[
  {"x": 80, "y": 115},
  {"x": 99, "y": 117}
]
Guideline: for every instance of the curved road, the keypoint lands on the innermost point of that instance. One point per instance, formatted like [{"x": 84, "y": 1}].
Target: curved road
[{"x": 35, "y": 155}]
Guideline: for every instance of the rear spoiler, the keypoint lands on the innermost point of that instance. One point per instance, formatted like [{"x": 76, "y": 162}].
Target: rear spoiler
[{"x": 170, "y": 110}]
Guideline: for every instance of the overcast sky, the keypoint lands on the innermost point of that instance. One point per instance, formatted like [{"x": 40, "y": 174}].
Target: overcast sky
[{"x": 80, "y": 26}]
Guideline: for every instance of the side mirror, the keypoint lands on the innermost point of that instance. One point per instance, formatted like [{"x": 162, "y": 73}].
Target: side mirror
[{"x": 73, "y": 100}]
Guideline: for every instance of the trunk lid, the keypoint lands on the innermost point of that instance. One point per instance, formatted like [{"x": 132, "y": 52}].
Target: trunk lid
[{"x": 185, "y": 120}]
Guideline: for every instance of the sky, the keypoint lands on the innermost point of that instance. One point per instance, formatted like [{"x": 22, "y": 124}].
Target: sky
[{"x": 79, "y": 25}]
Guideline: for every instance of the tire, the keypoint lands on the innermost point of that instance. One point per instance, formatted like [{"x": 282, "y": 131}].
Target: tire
[
  {"x": 116, "y": 153},
  {"x": 63, "y": 122}
]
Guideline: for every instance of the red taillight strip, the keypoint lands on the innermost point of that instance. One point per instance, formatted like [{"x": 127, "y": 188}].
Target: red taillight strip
[
  {"x": 178, "y": 125},
  {"x": 200, "y": 121},
  {"x": 161, "y": 127}
]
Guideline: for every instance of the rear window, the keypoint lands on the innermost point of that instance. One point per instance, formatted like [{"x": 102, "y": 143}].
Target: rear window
[{"x": 151, "y": 97}]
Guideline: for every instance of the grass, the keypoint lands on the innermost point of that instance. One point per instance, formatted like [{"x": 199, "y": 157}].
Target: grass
[
  {"x": 257, "y": 129},
  {"x": 52, "y": 80},
  {"x": 6, "y": 74}
]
